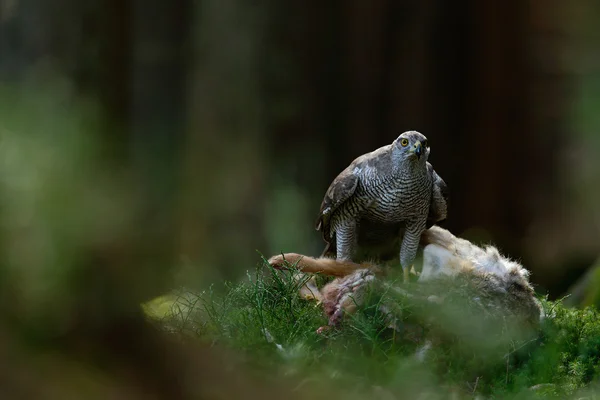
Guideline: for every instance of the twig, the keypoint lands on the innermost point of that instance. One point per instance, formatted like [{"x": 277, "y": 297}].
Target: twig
[
  {"x": 507, "y": 360},
  {"x": 520, "y": 347},
  {"x": 558, "y": 301},
  {"x": 475, "y": 386}
]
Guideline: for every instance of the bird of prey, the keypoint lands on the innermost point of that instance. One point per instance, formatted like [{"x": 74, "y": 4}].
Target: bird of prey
[{"x": 389, "y": 195}]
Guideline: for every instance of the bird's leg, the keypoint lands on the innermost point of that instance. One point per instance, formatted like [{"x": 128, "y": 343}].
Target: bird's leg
[
  {"x": 406, "y": 274},
  {"x": 410, "y": 245},
  {"x": 345, "y": 236}
]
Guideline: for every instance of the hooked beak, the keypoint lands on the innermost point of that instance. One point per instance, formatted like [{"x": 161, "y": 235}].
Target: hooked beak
[{"x": 418, "y": 150}]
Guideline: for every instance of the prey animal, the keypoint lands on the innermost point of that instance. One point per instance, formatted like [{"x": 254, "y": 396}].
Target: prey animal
[
  {"x": 384, "y": 200},
  {"x": 498, "y": 285}
]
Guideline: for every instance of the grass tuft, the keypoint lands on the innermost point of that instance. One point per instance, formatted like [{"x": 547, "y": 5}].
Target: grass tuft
[{"x": 471, "y": 350}]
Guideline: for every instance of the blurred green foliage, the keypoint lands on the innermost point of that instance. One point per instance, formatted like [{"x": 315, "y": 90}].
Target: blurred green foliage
[
  {"x": 276, "y": 99},
  {"x": 59, "y": 196}
]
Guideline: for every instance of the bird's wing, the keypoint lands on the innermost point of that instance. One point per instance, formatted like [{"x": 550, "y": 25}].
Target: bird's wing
[
  {"x": 344, "y": 186},
  {"x": 438, "y": 208},
  {"x": 340, "y": 190}
]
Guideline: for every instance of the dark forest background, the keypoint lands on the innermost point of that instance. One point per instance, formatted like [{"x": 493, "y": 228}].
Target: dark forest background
[
  {"x": 245, "y": 112},
  {"x": 195, "y": 134}
]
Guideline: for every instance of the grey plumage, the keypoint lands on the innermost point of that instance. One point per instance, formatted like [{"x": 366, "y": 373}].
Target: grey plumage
[{"x": 383, "y": 200}]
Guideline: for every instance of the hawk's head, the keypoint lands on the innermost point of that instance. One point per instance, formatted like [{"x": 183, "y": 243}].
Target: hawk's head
[{"x": 412, "y": 145}]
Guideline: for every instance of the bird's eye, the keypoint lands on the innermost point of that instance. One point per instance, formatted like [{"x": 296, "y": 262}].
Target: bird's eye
[
  {"x": 404, "y": 142},
  {"x": 425, "y": 143}
]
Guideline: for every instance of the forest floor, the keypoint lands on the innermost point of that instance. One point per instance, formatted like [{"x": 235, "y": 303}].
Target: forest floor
[{"x": 264, "y": 320}]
